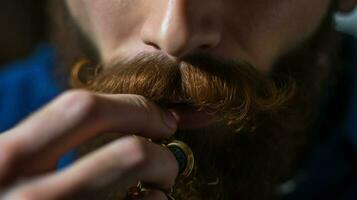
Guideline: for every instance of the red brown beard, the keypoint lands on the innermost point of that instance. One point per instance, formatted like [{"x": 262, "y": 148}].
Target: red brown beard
[
  {"x": 234, "y": 91},
  {"x": 248, "y": 164},
  {"x": 242, "y": 97}
]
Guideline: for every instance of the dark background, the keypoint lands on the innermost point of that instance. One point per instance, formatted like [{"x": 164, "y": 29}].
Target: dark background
[{"x": 22, "y": 26}]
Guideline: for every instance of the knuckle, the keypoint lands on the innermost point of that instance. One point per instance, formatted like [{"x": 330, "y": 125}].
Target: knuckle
[
  {"x": 83, "y": 103},
  {"x": 151, "y": 112},
  {"x": 136, "y": 148},
  {"x": 144, "y": 103},
  {"x": 79, "y": 97}
]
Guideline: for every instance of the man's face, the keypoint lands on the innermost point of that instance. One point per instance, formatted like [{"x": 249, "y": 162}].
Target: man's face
[
  {"x": 175, "y": 51},
  {"x": 256, "y": 31}
]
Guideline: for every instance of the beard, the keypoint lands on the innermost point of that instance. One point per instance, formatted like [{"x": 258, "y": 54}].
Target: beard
[
  {"x": 235, "y": 93},
  {"x": 262, "y": 118}
]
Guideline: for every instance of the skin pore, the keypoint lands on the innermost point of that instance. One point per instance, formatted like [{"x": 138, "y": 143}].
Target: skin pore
[
  {"x": 256, "y": 31},
  {"x": 206, "y": 52}
]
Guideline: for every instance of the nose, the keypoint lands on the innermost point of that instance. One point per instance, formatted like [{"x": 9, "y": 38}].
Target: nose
[{"x": 181, "y": 27}]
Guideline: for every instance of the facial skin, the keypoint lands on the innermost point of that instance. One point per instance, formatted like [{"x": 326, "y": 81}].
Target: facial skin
[
  {"x": 228, "y": 164},
  {"x": 256, "y": 31}
]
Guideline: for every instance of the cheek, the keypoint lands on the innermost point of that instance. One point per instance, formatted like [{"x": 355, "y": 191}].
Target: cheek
[
  {"x": 299, "y": 22},
  {"x": 275, "y": 26},
  {"x": 260, "y": 30}
]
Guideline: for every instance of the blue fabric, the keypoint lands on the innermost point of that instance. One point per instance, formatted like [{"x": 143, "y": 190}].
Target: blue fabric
[
  {"x": 26, "y": 85},
  {"x": 67, "y": 159}
]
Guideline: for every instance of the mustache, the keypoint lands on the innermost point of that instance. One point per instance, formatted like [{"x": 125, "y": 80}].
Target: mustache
[{"x": 231, "y": 89}]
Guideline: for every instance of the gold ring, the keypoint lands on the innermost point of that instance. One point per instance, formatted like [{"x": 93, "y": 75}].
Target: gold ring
[
  {"x": 186, "y": 162},
  {"x": 184, "y": 157}
]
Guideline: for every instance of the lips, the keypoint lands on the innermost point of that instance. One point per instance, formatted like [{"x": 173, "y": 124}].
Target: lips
[{"x": 190, "y": 117}]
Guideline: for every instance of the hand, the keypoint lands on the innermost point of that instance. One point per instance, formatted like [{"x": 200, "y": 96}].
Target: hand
[{"x": 29, "y": 152}]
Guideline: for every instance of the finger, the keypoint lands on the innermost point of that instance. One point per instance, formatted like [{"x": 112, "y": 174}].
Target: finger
[
  {"x": 79, "y": 115},
  {"x": 125, "y": 161}
]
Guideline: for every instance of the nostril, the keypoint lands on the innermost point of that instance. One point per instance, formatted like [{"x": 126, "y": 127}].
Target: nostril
[{"x": 153, "y": 45}]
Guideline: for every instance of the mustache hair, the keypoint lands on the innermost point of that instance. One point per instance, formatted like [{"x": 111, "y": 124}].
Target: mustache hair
[
  {"x": 233, "y": 90},
  {"x": 243, "y": 98}
]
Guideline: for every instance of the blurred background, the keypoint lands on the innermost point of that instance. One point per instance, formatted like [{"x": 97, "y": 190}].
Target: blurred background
[
  {"x": 347, "y": 23},
  {"x": 23, "y": 26}
]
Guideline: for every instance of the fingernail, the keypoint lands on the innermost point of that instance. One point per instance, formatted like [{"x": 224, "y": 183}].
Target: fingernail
[{"x": 171, "y": 119}]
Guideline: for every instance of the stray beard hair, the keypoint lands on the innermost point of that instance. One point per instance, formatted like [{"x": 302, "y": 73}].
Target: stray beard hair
[
  {"x": 241, "y": 97},
  {"x": 264, "y": 117}
]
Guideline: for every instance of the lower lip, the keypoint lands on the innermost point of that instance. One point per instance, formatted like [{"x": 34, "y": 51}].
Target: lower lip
[{"x": 192, "y": 119}]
